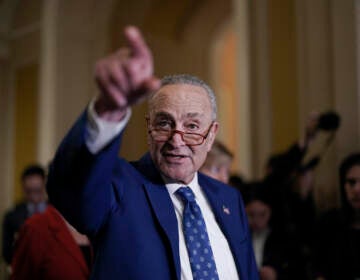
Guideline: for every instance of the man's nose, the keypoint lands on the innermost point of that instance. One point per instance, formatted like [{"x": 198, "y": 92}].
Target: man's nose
[{"x": 176, "y": 138}]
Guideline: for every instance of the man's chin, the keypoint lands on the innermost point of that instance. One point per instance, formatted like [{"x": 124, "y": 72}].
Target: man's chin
[{"x": 176, "y": 177}]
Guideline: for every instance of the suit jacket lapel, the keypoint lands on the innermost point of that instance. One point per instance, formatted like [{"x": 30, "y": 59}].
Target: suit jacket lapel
[
  {"x": 162, "y": 205},
  {"x": 165, "y": 214},
  {"x": 62, "y": 234}
]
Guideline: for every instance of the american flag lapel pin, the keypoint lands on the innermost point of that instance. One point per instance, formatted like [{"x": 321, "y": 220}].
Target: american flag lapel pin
[{"x": 226, "y": 210}]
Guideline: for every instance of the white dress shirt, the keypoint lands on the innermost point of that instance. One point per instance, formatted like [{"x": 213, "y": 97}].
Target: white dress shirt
[
  {"x": 101, "y": 132},
  {"x": 258, "y": 241}
]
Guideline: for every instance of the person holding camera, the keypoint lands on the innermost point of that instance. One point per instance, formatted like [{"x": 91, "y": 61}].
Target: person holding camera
[
  {"x": 283, "y": 171},
  {"x": 291, "y": 182},
  {"x": 290, "y": 177}
]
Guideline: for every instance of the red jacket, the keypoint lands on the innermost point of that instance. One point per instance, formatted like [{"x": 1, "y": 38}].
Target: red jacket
[{"x": 45, "y": 249}]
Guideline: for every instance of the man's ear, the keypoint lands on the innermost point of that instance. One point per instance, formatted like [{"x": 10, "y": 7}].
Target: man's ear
[
  {"x": 147, "y": 120},
  {"x": 212, "y": 135},
  {"x": 214, "y": 129}
]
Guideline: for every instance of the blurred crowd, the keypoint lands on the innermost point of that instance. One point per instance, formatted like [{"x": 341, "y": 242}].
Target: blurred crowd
[{"x": 292, "y": 238}]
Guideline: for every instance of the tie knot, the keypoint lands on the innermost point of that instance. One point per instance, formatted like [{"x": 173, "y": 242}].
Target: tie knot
[{"x": 186, "y": 194}]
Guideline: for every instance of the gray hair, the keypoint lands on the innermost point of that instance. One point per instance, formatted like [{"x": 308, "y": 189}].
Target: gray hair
[{"x": 192, "y": 80}]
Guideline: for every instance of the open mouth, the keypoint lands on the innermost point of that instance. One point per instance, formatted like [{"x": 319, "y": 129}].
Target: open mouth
[{"x": 174, "y": 157}]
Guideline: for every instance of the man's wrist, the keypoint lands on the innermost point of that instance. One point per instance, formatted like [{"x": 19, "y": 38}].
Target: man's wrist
[
  {"x": 103, "y": 111},
  {"x": 101, "y": 131}
]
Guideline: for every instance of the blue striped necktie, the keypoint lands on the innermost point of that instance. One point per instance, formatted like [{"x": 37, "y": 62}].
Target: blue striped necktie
[{"x": 196, "y": 238}]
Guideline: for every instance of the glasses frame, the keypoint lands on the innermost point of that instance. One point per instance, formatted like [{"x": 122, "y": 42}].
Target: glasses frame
[{"x": 182, "y": 133}]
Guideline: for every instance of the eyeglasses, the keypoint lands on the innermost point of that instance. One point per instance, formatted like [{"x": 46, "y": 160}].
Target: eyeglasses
[{"x": 190, "y": 139}]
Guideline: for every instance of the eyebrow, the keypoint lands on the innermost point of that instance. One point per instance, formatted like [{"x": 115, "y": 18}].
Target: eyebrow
[
  {"x": 163, "y": 114},
  {"x": 167, "y": 115}
]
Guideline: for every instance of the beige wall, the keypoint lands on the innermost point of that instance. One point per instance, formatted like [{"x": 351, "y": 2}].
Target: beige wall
[
  {"x": 21, "y": 34},
  {"x": 25, "y": 122},
  {"x": 283, "y": 82},
  {"x": 6, "y": 137},
  {"x": 225, "y": 84},
  {"x": 261, "y": 109},
  {"x": 19, "y": 61}
]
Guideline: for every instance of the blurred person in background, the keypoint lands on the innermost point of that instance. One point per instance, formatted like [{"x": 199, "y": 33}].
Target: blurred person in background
[
  {"x": 33, "y": 186},
  {"x": 337, "y": 239},
  {"x": 277, "y": 254},
  {"x": 236, "y": 181},
  {"x": 218, "y": 162},
  {"x": 286, "y": 176},
  {"x": 49, "y": 248},
  {"x": 291, "y": 180}
]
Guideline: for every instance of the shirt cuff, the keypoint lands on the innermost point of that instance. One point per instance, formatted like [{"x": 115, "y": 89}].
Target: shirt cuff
[{"x": 100, "y": 132}]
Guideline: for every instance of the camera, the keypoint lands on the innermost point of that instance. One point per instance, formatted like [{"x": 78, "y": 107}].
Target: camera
[{"x": 329, "y": 121}]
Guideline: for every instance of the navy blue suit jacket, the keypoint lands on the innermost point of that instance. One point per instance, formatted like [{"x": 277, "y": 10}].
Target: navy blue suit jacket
[{"x": 128, "y": 214}]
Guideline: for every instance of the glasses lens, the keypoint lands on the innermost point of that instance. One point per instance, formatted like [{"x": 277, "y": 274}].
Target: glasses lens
[
  {"x": 164, "y": 135},
  {"x": 192, "y": 139},
  {"x": 160, "y": 135}
]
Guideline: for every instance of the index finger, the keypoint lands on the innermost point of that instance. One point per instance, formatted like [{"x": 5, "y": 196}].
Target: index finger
[{"x": 136, "y": 42}]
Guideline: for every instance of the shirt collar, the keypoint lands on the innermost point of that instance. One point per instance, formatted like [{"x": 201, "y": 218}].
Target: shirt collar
[
  {"x": 173, "y": 187},
  {"x": 32, "y": 208}
]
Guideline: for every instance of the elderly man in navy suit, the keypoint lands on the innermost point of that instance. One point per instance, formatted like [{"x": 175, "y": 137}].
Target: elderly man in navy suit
[{"x": 156, "y": 218}]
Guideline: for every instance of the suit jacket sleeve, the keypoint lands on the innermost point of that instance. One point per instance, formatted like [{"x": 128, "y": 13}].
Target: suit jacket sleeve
[{"x": 79, "y": 183}]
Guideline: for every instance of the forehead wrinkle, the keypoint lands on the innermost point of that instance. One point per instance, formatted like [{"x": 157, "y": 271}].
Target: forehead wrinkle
[
  {"x": 176, "y": 98},
  {"x": 163, "y": 114},
  {"x": 194, "y": 115},
  {"x": 191, "y": 115}
]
